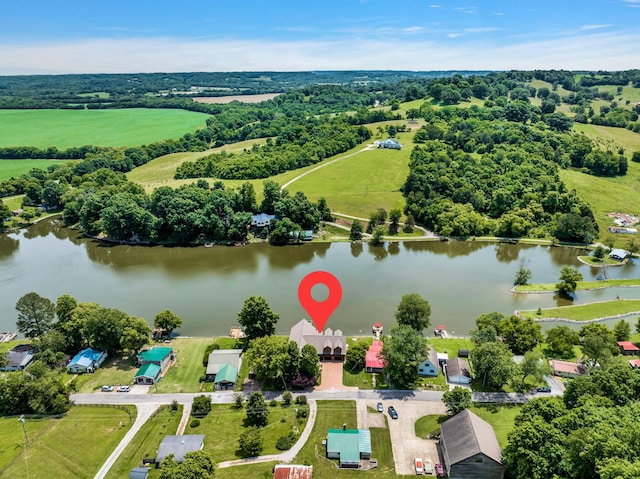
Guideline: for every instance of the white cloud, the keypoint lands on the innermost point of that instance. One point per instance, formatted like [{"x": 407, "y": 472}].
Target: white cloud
[
  {"x": 467, "y": 10},
  {"x": 595, "y": 27},
  {"x": 589, "y": 51},
  {"x": 435, "y": 6}
]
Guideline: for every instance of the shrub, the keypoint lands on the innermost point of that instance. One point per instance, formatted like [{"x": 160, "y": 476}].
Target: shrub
[
  {"x": 302, "y": 381},
  {"x": 302, "y": 412},
  {"x": 284, "y": 443},
  {"x": 250, "y": 442},
  {"x": 286, "y": 398},
  {"x": 174, "y": 405},
  {"x": 273, "y": 403},
  {"x": 302, "y": 399},
  {"x": 238, "y": 399},
  {"x": 194, "y": 423}
]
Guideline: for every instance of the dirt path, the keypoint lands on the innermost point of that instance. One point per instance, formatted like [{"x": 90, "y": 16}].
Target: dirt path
[
  {"x": 367, "y": 148},
  {"x": 427, "y": 233}
]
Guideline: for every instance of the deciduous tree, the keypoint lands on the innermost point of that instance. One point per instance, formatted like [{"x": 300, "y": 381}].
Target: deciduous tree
[
  {"x": 250, "y": 442},
  {"x": 257, "y": 318},
  {"x": 414, "y": 311},
  {"x": 521, "y": 335},
  {"x": 403, "y": 351},
  {"x": 561, "y": 340},
  {"x": 257, "y": 411},
  {"x": 457, "y": 400},
  {"x": 356, "y": 231},
  {"x": 168, "y": 321},
  {"x": 493, "y": 363},
  {"x": 569, "y": 278}
]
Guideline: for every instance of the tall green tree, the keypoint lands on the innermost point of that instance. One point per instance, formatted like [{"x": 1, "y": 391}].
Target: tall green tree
[
  {"x": 521, "y": 335},
  {"x": 250, "y": 442},
  {"x": 35, "y": 315},
  {"x": 268, "y": 357},
  {"x": 414, "y": 311},
  {"x": 65, "y": 305},
  {"x": 257, "y": 318},
  {"x": 457, "y": 400},
  {"x": 622, "y": 330},
  {"x": 561, "y": 340},
  {"x": 356, "y": 231},
  {"x": 403, "y": 351},
  {"x": 355, "y": 357},
  {"x": 168, "y": 321},
  {"x": 257, "y": 410},
  {"x": 309, "y": 361},
  {"x": 568, "y": 281},
  {"x": 135, "y": 333},
  {"x": 196, "y": 465},
  {"x": 493, "y": 363}
]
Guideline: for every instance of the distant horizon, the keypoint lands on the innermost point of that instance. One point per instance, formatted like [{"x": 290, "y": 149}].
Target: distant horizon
[{"x": 42, "y": 37}]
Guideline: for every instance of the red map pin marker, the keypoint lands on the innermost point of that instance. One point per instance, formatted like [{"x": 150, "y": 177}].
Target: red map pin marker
[{"x": 320, "y": 311}]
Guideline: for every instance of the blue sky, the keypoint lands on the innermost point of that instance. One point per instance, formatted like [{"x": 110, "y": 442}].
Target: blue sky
[{"x": 71, "y": 36}]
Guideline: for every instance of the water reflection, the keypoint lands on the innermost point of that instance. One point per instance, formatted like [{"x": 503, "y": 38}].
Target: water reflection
[
  {"x": 394, "y": 249},
  {"x": 8, "y": 246},
  {"x": 378, "y": 252},
  {"x": 356, "y": 249},
  {"x": 507, "y": 252},
  {"x": 452, "y": 249}
]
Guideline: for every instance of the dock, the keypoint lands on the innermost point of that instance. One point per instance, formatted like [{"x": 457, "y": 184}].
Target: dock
[{"x": 6, "y": 337}]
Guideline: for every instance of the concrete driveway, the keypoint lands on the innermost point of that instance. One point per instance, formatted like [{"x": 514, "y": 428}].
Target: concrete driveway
[{"x": 406, "y": 445}]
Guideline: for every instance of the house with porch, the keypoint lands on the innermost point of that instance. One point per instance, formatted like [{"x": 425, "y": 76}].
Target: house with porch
[
  {"x": 567, "y": 369},
  {"x": 457, "y": 370},
  {"x": 374, "y": 362},
  {"x": 261, "y": 220},
  {"x": 148, "y": 374},
  {"x": 349, "y": 446},
  {"x": 86, "y": 361},
  {"x": 330, "y": 345},
  {"x": 160, "y": 356},
  {"x": 222, "y": 368},
  {"x": 627, "y": 348}
]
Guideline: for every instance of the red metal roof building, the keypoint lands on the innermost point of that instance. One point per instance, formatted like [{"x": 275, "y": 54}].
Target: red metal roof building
[
  {"x": 628, "y": 348},
  {"x": 292, "y": 471},
  {"x": 373, "y": 360}
]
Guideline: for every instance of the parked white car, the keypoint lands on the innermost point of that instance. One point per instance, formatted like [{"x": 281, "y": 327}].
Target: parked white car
[
  {"x": 428, "y": 466},
  {"x": 419, "y": 466}
]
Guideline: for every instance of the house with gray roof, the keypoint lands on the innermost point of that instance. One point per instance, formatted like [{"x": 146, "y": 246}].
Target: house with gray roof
[
  {"x": 469, "y": 448},
  {"x": 430, "y": 366},
  {"x": 330, "y": 345},
  {"x": 223, "y": 366},
  {"x": 18, "y": 358},
  {"x": 179, "y": 446},
  {"x": 457, "y": 370}
]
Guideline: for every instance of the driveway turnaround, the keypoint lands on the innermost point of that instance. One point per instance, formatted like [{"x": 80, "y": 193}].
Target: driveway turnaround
[{"x": 406, "y": 445}]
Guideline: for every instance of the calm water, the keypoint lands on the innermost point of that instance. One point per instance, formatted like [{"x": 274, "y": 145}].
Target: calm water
[{"x": 207, "y": 286}]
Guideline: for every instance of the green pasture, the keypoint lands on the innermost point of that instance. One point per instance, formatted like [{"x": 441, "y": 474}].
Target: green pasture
[
  {"x": 12, "y": 438},
  {"x": 117, "y": 127},
  {"x": 589, "y": 311},
  {"x": 160, "y": 171},
  {"x": 184, "y": 375},
  {"x": 15, "y": 168},
  {"x": 225, "y": 423},
  {"x": 54, "y": 447},
  {"x": 146, "y": 441}
]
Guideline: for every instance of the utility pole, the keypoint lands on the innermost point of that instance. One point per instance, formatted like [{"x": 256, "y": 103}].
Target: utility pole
[{"x": 26, "y": 443}]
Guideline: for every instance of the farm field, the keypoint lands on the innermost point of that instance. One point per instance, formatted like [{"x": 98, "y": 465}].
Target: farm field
[
  {"x": 606, "y": 195},
  {"x": 53, "y": 449},
  {"x": 117, "y": 127},
  {"x": 15, "y": 168}
]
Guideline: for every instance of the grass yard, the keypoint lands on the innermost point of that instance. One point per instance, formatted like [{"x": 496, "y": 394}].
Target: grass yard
[
  {"x": 146, "y": 441},
  {"x": 451, "y": 345},
  {"x": 114, "y": 371},
  {"x": 590, "y": 311},
  {"x": 12, "y": 438},
  {"x": 16, "y": 168},
  {"x": 427, "y": 425},
  {"x": 117, "y": 127},
  {"x": 501, "y": 417},
  {"x": 54, "y": 452},
  {"x": 224, "y": 424},
  {"x": 263, "y": 470},
  {"x": 184, "y": 375}
]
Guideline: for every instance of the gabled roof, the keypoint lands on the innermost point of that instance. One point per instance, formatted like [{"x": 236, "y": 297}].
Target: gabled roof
[
  {"x": 373, "y": 358},
  {"x": 635, "y": 363},
  {"x": 628, "y": 346},
  {"x": 292, "y": 471},
  {"x": 139, "y": 473},
  {"x": 179, "y": 446},
  {"x": 303, "y": 332},
  {"x": 19, "y": 359},
  {"x": 149, "y": 370},
  {"x": 155, "y": 354},
  {"x": 220, "y": 357},
  {"x": 227, "y": 374},
  {"x": 465, "y": 435},
  {"x": 349, "y": 443},
  {"x": 86, "y": 357},
  {"x": 458, "y": 367},
  {"x": 567, "y": 367}
]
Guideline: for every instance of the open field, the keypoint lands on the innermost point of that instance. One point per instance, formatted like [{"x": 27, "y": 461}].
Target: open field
[
  {"x": 15, "y": 168},
  {"x": 587, "y": 312},
  {"x": 12, "y": 438},
  {"x": 580, "y": 286},
  {"x": 160, "y": 171},
  {"x": 146, "y": 441},
  {"x": 606, "y": 195},
  {"x": 117, "y": 127},
  {"x": 225, "y": 423},
  {"x": 53, "y": 450},
  {"x": 223, "y": 100},
  {"x": 184, "y": 375}
]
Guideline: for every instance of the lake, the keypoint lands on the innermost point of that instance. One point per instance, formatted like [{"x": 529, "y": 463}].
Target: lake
[{"x": 207, "y": 286}]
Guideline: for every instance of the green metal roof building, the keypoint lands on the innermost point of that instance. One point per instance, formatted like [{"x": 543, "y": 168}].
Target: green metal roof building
[
  {"x": 349, "y": 446},
  {"x": 226, "y": 377},
  {"x": 147, "y": 374}
]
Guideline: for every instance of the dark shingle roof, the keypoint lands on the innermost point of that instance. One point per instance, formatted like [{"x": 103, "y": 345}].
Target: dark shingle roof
[{"x": 465, "y": 435}]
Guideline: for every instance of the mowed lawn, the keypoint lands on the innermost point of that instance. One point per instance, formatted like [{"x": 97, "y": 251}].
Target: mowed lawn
[
  {"x": 184, "y": 375},
  {"x": 12, "y": 438},
  {"x": 585, "y": 312},
  {"x": 16, "y": 168},
  {"x": 606, "y": 195},
  {"x": 146, "y": 441},
  {"x": 117, "y": 127},
  {"x": 54, "y": 451}
]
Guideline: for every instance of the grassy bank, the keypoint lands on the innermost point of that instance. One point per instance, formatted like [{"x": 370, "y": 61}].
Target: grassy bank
[
  {"x": 581, "y": 286},
  {"x": 587, "y": 312},
  {"x": 117, "y": 127}
]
